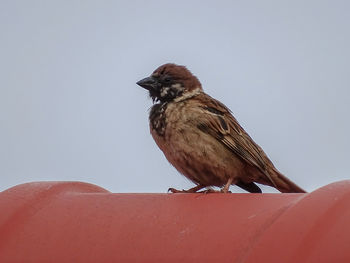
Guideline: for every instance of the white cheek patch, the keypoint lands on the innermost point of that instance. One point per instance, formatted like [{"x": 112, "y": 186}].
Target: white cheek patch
[
  {"x": 172, "y": 91},
  {"x": 176, "y": 86},
  {"x": 164, "y": 91}
]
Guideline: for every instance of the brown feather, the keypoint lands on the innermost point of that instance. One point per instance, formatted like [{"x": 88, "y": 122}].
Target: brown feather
[
  {"x": 225, "y": 128},
  {"x": 202, "y": 139},
  {"x": 179, "y": 73}
]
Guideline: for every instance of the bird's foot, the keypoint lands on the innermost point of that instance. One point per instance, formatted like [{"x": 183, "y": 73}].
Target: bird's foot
[
  {"x": 191, "y": 190},
  {"x": 226, "y": 188},
  {"x": 211, "y": 191},
  {"x": 199, "y": 187},
  {"x": 174, "y": 191}
]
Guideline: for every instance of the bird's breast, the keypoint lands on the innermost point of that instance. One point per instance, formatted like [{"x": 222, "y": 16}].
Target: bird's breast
[
  {"x": 195, "y": 154},
  {"x": 157, "y": 119},
  {"x": 170, "y": 128}
]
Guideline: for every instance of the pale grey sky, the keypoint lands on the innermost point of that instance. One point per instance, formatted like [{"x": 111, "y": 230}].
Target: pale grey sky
[{"x": 70, "y": 108}]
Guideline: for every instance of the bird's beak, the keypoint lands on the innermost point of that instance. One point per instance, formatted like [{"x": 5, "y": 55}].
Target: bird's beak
[{"x": 148, "y": 83}]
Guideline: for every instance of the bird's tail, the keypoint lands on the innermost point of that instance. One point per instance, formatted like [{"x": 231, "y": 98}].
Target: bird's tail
[{"x": 283, "y": 184}]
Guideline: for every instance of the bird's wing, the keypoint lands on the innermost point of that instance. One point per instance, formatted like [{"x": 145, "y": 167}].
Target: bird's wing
[{"x": 219, "y": 123}]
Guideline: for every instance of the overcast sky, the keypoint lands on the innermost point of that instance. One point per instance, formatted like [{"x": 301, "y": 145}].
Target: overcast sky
[{"x": 70, "y": 108}]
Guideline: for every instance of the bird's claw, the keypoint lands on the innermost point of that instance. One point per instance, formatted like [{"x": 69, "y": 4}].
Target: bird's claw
[
  {"x": 211, "y": 191},
  {"x": 173, "y": 190},
  {"x": 224, "y": 190}
]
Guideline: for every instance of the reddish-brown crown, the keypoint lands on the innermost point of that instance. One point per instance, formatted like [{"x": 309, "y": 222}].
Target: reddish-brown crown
[{"x": 179, "y": 73}]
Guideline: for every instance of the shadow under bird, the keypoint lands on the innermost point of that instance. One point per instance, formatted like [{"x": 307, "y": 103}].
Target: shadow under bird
[{"x": 200, "y": 137}]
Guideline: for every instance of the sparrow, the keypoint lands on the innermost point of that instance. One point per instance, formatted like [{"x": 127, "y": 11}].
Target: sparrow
[{"x": 201, "y": 138}]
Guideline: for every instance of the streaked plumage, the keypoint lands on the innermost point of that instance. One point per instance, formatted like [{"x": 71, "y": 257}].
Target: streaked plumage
[{"x": 202, "y": 139}]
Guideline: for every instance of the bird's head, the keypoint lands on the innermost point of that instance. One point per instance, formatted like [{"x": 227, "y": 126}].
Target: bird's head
[{"x": 169, "y": 82}]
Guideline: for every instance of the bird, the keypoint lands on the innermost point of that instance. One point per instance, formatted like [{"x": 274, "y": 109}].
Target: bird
[{"x": 201, "y": 138}]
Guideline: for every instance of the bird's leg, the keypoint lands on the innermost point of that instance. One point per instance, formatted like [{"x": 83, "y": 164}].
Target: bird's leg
[
  {"x": 227, "y": 186},
  {"x": 223, "y": 190},
  {"x": 209, "y": 191},
  {"x": 191, "y": 190}
]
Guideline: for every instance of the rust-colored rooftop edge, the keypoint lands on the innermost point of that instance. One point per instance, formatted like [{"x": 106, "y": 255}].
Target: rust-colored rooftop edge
[{"x": 80, "y": 222}]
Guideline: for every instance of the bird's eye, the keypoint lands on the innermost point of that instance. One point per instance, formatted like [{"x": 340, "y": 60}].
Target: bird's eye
[{"x": 167, "y": 79}]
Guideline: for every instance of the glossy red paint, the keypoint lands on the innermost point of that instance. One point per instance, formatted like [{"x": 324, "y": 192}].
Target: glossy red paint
[{"x": 80, "y": 222}]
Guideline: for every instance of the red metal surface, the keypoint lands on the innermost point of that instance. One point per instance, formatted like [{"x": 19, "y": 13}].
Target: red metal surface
[{"x": 79, "y": 222}]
